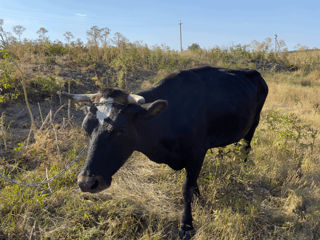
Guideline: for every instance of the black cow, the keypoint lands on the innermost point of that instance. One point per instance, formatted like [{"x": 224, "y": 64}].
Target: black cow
[{"x": 174, "y": 122}]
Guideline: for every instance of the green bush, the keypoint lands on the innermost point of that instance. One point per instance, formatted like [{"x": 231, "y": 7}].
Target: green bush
[
  {"x": 9, "y": 86},
  {"x": 45, "y": 86},
  {"x": 55, "y": 48}
]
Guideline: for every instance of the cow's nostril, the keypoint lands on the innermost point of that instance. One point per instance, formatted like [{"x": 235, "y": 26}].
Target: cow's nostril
[{"x": 94, "y": 185}]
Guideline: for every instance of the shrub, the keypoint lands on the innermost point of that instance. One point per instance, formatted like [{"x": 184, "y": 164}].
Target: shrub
[{"x": 9, "y": 86}]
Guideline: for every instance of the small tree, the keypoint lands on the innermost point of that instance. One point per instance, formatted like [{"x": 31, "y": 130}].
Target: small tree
[
  {"x": 94, "y": 36},
  {"x": 104, "y": 35},
  {"x": 119, "y": 39},
  {"x": 68, "y": 36},
  {"x": 98, "y": 35},
  {"x": 42, "y": 38},
  {"x": 18, "y": 30},
  {"x": 42, "y": 34},
  {"x": 194, "y": 47},
  {"x": 264, "y": 46}
]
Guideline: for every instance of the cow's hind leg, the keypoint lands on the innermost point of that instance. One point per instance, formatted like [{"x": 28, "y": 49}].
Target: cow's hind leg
[
  {"x": 250, "y": 134},
  {"x": 249, "y": 137}
]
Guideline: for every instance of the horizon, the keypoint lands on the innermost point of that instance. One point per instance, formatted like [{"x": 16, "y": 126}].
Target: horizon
[{"x": 208, "y": 24}]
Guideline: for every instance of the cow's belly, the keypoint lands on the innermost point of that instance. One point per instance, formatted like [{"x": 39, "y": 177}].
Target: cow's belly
[{"x": 227, "y": 130}]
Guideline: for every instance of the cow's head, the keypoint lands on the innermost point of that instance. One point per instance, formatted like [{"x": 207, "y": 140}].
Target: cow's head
[{"x": 111, "y": 123}]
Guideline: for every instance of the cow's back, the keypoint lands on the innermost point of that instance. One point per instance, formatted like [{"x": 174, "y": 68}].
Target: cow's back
[{"x": 209, "y": 104}]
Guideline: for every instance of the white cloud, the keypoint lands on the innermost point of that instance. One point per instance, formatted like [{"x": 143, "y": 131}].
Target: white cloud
[{"x": 81, "y": 14}]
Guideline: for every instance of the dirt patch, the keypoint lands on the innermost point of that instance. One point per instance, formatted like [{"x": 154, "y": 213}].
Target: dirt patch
[{"x": 16, "y": 120}]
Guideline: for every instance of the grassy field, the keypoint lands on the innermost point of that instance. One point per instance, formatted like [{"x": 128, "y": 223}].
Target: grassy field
[{"x": 274, "y": 195}]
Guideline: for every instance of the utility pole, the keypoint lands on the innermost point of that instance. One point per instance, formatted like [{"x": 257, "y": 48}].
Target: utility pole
[{"x": 180, "y": 23}]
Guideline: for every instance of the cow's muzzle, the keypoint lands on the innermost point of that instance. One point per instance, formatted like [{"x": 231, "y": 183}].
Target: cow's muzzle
[{"x": 92, "y": 184}]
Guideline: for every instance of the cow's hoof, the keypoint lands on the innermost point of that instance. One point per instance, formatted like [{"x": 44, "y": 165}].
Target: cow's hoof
[{"x": 186, "y": 233}]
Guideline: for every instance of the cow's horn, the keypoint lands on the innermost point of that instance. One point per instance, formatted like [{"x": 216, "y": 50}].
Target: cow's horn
[
  {"x": 133, "y": 98},
  {"x": 80, "y": 97}
]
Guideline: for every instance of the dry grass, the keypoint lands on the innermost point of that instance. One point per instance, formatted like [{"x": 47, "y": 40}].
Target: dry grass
[
  {"x": 297, "y": 93},
  {"x": 275, "y": 195},
  {"x": 306, "y": 59}
]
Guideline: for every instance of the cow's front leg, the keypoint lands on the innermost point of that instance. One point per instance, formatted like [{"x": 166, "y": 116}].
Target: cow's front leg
[{"x": 189, "y": 188}]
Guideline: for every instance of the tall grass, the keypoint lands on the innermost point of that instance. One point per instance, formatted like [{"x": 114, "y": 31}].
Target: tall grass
[
  {"x": 50, "y": 65},
  {"x": 274, "y": 195}
]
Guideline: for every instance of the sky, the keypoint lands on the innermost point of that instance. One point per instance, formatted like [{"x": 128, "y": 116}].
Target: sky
[{"x": 222, "y": 23}]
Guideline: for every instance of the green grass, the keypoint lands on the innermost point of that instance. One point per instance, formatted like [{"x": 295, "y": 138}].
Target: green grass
[
  {"x": 274, "y": 195},
  {"x": 48, "y": 66}
]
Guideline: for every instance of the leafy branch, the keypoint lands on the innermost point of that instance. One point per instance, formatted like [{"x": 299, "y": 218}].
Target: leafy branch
[{"x": 10, "y": 56}]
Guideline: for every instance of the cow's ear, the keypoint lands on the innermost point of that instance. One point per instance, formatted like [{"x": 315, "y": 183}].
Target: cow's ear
[{"x": 155, "y": 108}]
